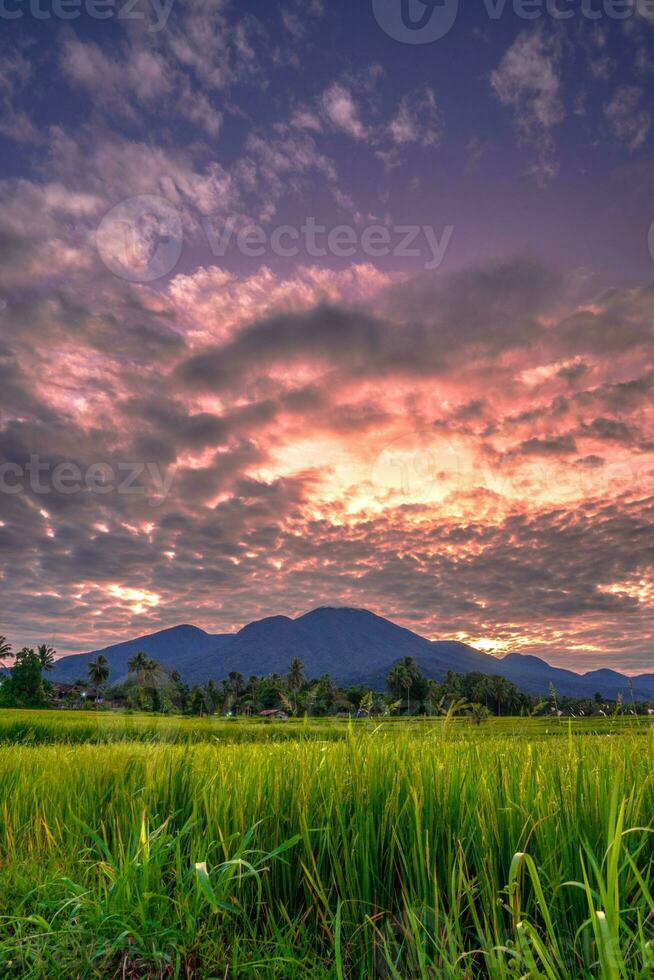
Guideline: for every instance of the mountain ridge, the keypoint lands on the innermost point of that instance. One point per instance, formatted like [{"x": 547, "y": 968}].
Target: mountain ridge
[{"x": 354, "y": 645}]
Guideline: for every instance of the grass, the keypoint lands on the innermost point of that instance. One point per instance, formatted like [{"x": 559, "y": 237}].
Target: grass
[{"x": 212, "y": 848}]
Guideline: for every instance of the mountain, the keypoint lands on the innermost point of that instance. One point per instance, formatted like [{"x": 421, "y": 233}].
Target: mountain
[
  {"x": 171, "y": 647},
  {"x": 347, "y": 643},
  {"x": 353, "y": 645}
]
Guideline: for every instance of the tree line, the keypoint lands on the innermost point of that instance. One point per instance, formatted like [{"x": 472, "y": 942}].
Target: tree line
[{"x": 148, "y": 687}]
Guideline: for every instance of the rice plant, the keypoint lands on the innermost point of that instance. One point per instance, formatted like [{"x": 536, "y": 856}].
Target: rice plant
[{"x": 333, "y": 850}]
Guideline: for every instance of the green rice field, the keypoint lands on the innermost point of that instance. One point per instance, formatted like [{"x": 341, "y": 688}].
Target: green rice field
[{"x": 176, "y": 847}]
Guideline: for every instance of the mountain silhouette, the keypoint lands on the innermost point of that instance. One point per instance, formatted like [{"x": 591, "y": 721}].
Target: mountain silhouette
[{"x": 355, "y": 646}]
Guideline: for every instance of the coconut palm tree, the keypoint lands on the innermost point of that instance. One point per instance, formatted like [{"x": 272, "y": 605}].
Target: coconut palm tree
[
  {"x": 5, "y": 650},
  {"x": 295, "y": 678},
  {"x": 137, "y": 665},
  {"x": 237, "y": 683},
  {"x": 46, "y": 656},
  {"x": 151, "y": 670},
  {"x": 99, "y": 673},
  {"x": 399, "y": 679}
]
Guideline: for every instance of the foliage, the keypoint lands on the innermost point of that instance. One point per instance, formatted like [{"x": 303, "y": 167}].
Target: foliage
[
  {"x": 400, "y": 848},
  {"x": 5, "y": 649},
  {"x": 46, "y": 655},
  {"x": 149, "y": 688},
  {"x": 24, "y": 687},
  {"x": 99, "y": 672}
]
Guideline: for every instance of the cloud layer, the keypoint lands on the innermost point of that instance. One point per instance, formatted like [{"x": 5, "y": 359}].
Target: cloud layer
[{"x": 469, "y": 451}]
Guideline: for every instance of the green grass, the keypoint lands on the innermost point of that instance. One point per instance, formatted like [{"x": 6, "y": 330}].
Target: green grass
[
  {"x": 212, "y": 848},
  {"x": 39, "y": 727}
]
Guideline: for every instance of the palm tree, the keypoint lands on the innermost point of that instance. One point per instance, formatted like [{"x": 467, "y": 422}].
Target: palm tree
[
  {"x": 295, "y": 678},
  {"x": 46, "y": 656},
  {"x": 5, "y": 650},
  {"x": 137, "y": 665},
  {"x": 400, "y": 678},
  {"x": 151, "y": 670},
  {"x": 237, "y": 682},
  {"x": 210, "y": 696},
  {"x": 99, "y": 673}
]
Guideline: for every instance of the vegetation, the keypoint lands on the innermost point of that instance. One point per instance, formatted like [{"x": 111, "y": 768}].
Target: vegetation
[
  {"x": 399, "y": 848},
  {"x": 149, "y": 688},
  {"x": 460, "y": 829},
  {"x": 24, "y": 687},
  {"x": 99, "y": 673}
]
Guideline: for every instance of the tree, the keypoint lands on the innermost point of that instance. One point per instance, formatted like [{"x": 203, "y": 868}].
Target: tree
[
  {"x": 151, "y": 670},
  {"x": 46, "y": 656},
  {"x": 499, "y": 691},
  {"x": 479, "y": 713},
  {"x": 99, "y": 673},
  {"x": 367, "y": 702},
  {"x": 137, "y": 665},
  {"x": 399, "y": 680},
  {"x": 295, "y": 678},
  {"x": 197, "y": 701},
  {"x": 210, "y": 697},
  {"x": 24, "y": 686},
  {"x": 406, "y": 678},
  {"x": 237, "y": 683},
  {"x": 5, "y": 650}
]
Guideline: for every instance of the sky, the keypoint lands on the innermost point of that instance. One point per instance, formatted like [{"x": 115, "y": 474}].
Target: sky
[{"x": 309, "y": 303}]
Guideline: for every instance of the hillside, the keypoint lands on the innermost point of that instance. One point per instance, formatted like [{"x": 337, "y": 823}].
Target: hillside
[
  {"x": 171, "y": 647},
  {"x": 353, "y": 645}
]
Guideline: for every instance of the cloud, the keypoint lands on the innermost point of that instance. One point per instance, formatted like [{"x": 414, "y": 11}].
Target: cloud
[
  {"x": 562, "y": 445},
  {"x": 528, "y": 81},
  {"x": 15, "y": 73},
  {"x": 629, "y": 123},
  {"x": 453, "y": 450},
  {"x": 298, "y": 17},
  {"x": 418, "y": 120},
  {"x": 342, "y": 112},
  {"x": 306, "y": 119}
]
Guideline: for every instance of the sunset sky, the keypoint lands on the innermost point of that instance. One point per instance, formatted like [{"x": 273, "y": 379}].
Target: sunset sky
[{"x": 211, "y": 412}]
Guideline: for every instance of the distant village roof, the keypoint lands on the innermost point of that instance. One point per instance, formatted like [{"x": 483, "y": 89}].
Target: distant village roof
[{"x": 71, "y": 688}]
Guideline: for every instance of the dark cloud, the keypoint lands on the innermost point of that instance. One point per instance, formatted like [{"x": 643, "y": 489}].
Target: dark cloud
[
  {"x": 273, "y": 438},
  {"x": 561, "y": 445}
]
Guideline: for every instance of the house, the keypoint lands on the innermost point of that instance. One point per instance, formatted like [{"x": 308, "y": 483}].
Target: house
[
  {"x": 274, "y": 713},
  {"x": 73, "y": 695}
]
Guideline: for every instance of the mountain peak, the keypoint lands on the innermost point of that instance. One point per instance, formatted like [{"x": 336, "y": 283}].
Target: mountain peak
[
  {"x": 354, "y": 645},
  {"x": 322, "y": 612}
]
